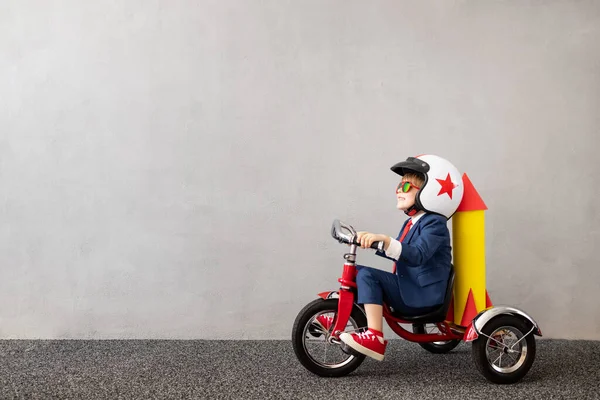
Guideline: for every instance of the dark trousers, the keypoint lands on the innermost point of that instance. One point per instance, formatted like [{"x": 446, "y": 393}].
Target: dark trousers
[{"x": 376, "y": 287}]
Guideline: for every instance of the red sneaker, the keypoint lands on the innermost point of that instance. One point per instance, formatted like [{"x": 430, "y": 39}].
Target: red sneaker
[
  {"x": 324, "y": 322},
  {"x": 369, "y": 343}
]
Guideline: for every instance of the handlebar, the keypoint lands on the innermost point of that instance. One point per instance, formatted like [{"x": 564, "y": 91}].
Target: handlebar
[{"x": 348, "y": 238}]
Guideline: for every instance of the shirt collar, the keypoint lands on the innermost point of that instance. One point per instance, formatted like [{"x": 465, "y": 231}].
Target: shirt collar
[{"x": 415, "y": 218}]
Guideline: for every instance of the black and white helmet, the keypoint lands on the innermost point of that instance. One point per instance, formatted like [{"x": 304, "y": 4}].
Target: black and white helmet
[{"x": 442, "y": 191}]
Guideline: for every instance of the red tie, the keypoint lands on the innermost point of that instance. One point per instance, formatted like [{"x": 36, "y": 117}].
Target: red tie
[{"x": 404, "y": 233}]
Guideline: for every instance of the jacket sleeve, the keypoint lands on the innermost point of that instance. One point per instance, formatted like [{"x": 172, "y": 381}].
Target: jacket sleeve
[
  {"x": 382, "y": 254},
  {"x": 433, "y": 234}
]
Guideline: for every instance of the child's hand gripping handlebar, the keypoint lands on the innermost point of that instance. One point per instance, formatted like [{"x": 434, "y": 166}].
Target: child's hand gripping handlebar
[{"x": 337, "y": 231}]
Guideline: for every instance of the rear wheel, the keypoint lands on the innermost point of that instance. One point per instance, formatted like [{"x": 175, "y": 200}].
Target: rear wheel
[
  {"x": 314, "y": 346},
  {"x": 505, "y": 350},
  {"x": 435, "y": 347}
]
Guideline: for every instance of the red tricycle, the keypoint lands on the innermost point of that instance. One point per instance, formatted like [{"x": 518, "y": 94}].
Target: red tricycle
[{"x": 503, "y": 342}]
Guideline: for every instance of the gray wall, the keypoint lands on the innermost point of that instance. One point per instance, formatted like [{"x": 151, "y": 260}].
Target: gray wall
[{"x": 170, "y": 169}]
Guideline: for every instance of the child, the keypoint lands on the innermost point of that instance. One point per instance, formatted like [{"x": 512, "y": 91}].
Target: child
[{"x": 429, "y": 193}]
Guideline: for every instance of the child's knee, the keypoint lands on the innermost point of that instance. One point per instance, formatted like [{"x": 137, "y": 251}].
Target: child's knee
[
  {"x": 359, "y": 267},
  {"x": 364, "y": 274}
]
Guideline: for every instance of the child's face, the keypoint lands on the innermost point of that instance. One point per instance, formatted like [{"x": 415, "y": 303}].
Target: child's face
[{"x": 406, "y": 200}]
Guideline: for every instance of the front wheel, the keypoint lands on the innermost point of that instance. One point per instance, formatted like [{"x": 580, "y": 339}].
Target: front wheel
[
  {"x": 312, "y": 343},
  {"x": 505, "y": 350}
]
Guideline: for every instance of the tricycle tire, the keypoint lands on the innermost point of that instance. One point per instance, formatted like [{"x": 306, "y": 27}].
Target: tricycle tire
[
  {"x": 301, "y": 328},
  {"x": 526, "y": 353},
  {"x": 436, "y": 347}
]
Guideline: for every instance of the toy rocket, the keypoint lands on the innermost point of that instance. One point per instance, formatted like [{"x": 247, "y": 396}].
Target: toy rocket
[{"x": 468, "y": 243}]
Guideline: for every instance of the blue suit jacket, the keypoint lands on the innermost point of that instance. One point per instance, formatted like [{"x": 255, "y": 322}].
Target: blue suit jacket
[{"x": 424, "y": 265}]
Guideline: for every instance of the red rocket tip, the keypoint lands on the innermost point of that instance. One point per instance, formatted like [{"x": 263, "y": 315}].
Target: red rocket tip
[
  {"x": 488, "y": 301},
  {"x": 470, "y": 310},
  {"x": 471, "y": 200}
]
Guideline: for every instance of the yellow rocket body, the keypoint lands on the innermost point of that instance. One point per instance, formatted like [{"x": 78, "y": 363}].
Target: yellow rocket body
[
  {"x": 468, "y": 245},
  {"x": 468, "y": 237}
]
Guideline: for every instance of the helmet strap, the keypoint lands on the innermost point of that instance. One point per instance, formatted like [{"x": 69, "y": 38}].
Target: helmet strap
[{"x": 412, "y": 210}]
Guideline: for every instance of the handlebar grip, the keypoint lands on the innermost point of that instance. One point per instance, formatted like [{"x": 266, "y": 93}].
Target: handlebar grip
[{"x": 374, "y": 245}]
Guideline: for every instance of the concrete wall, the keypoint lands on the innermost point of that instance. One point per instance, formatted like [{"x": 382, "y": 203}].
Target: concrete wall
[{"x": 170, "y": 169}]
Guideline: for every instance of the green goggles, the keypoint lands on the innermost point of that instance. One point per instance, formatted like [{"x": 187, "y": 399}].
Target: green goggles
[{"x": 404, "y": 187}]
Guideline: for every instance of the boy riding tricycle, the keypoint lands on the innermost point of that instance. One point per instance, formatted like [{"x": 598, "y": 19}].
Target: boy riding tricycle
[{"x": 333, "y": 334}]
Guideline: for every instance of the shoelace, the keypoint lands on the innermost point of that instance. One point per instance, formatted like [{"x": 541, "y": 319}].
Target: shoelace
[{"x": 366, "y": 335}]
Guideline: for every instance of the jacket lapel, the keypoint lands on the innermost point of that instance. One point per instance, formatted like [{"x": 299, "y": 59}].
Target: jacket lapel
[{"x": 410, "y": 233}]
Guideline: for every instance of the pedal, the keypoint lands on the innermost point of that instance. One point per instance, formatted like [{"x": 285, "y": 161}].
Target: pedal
[
  {"x": 349, "y": 350},
  {"x": 315, "y": 331}
]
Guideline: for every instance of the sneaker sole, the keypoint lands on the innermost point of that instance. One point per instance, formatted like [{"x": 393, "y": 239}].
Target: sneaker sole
[
  {"x": 350, "y": 351},
  {"x": 361, "y": 349}
]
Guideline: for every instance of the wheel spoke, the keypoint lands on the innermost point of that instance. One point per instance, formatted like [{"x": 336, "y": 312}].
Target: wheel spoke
[
  {"x": 498, "y": 342},
  {"x": 331, "y": 355},
  {"x": 493, "y": 353},
  {"x": 323, "y": 331},
  {"x": 513, "y": 351},
  {"x": 499, "y": 358},
  {"x": 513, "y": 360},
  {"x": 311, "y": 340}
]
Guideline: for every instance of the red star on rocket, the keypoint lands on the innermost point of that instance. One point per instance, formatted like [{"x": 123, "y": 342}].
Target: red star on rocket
[{"x": 447, "y": 186}]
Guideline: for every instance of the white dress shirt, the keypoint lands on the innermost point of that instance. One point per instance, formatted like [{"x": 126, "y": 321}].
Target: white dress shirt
[{"x": 395, "y": 248}]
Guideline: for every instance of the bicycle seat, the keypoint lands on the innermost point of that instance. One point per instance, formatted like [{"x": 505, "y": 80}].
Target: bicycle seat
[{"x": 431, "y": 314}]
